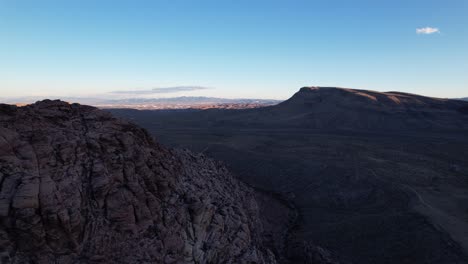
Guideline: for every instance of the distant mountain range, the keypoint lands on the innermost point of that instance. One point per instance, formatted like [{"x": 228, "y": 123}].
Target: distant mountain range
[{"x": 183, "y": 102}]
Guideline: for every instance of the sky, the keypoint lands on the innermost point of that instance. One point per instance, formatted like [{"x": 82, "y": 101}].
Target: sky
[{"x": 233, "y": 49}]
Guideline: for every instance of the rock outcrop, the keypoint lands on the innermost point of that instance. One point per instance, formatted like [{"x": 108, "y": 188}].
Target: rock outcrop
[
  {"x": 80, "y": 186},
  {"x": 353, "y": 109}
]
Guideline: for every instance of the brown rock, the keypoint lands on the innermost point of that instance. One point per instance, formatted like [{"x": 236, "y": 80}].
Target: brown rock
[{"x": 77, "y": 185}]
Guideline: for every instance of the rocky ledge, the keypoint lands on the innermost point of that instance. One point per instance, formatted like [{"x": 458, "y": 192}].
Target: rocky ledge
[{"x": 80, "y": 186}]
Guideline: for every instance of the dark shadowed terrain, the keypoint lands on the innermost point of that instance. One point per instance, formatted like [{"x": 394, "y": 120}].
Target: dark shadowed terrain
[
  {"x": 375, "y": 177},
  {"x": 77, "y": 185}
]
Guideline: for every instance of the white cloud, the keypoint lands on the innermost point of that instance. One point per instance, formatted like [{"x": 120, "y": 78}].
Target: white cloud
[{"x": 427, "y": 30}]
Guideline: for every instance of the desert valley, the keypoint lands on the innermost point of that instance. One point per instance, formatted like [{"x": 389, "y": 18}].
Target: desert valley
[
  {"x": 331, "y": 175},
  {"x": 233, "y": 132},
  {"x": 376, "y": 177}
]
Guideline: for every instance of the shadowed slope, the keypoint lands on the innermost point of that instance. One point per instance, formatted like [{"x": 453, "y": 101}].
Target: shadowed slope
[
  {"x": 78, "y": 185},
  {"x": 341, "y": 108},
  {"x": 377, "y": 177},
  {"x": 329, "y": 109}
]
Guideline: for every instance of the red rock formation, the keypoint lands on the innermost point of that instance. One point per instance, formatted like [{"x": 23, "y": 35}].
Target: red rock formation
[{"x": 77, "y": 185}]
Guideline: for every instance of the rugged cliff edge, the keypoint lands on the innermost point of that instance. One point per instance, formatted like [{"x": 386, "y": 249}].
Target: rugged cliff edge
[{"x": 80, "y": 186}]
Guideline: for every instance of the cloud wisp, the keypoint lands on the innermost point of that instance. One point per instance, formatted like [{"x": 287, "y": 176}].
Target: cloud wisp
[
  {"x": 427, "y": 31},
  {"x": 163, "y": 90}
]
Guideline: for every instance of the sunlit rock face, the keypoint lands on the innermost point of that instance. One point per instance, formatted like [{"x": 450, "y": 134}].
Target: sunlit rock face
[{"x": 79, "y": 186}]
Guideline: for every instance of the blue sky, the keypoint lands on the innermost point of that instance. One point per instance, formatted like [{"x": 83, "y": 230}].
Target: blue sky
[{"x": 256, "y": 49}]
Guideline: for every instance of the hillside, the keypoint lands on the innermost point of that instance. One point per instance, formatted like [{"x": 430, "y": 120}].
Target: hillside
[
  {"x": 376, "y": 177},
  {"x": 78, "y": 185},
  {"x": 329, "y": 108}
]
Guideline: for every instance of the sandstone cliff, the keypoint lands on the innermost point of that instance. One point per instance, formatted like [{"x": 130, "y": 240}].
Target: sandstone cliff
[{"x": 79, "y": 186}]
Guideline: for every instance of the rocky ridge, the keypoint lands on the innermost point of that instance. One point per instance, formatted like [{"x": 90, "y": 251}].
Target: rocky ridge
[{"x": 80, "y": 186}]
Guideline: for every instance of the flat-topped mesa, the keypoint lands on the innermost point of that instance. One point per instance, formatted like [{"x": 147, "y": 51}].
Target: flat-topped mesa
[
  {"x": 355, "y": 109},
  {"x": 348, "y": 97}
]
